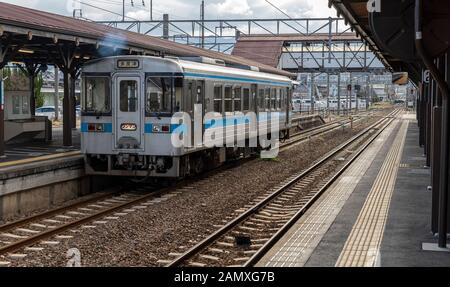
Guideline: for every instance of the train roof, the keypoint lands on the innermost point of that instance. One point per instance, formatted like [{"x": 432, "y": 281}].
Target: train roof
[{"x": 189, "y": 68}]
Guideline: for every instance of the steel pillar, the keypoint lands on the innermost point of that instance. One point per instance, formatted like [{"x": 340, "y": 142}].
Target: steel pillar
[
  {"x": 2, "y": 115},
  {"x": 443, "y": 186},
  {"x": 67, "y": 125},
  {"x": 73, "y": 116},
  {"x": 56, "y": 99},
  {"x": 312, "y": 94},
  {"x": 428, "y": 123},
  {"x": 435, "y": 165},
  {"x": 339, "y": 95}
]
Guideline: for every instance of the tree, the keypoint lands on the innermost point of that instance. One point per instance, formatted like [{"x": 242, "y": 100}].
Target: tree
[{"x": 38, "y": 84}]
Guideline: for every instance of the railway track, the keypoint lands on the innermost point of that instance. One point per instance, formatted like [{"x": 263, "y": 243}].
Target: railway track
[
  {"x": 320, "y": 130},
  {"x": 245, "y": 239},
  {"x": 63, "y": 223}
]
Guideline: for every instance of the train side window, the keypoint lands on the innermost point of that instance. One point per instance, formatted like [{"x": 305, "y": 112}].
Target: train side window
[
  {"x": 218, "y": 99},
  {"x": 228, "y": 100},
  {"x": 278, "y": 99},
  {"x": 267, "y": 95},
  {"x": 261, "y": 99},
  {"x": 237, "y": 99},
  {"x": 273, "y": 99},
  {"x": 97, "y": 97},
  {"x": 283, "y": 99},
  {"x": 247, "y": 99},
  {"x": 128, "y": 96}
]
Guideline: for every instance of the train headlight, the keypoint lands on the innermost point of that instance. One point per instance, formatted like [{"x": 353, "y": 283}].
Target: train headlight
[{"x": 156, "y": 129}]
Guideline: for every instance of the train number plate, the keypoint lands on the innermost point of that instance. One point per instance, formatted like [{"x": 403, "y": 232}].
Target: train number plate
[{"x": 128, "y": 127}]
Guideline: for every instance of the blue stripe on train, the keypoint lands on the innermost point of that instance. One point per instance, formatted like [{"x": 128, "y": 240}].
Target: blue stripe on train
[{"x": 148, "y": 127}]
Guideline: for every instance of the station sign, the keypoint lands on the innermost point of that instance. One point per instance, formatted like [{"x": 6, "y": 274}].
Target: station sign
[{"x": 128, "y": 64}]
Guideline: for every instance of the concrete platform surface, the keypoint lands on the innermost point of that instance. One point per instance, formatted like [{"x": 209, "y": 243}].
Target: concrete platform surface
[
  {"x": 25, "y": 153},
  {"x": 377, "y": 214}
]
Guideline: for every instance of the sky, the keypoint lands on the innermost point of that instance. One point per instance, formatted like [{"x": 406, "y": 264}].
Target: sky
[{"x": 184, "y": 9}]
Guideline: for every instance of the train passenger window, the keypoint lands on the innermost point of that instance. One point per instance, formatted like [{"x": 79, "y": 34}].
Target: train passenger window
[
  {"x": 267, "y": 94},
  {"x": 97, "y": 96},
  {"x": 273, "y": 99},
  {"x": 278, "y": 99},
  {"x": 159, "y": 95},
  {"x": 283, "y": 99},
  {"x": 237, "y": 99},
  {"x": 247, "y": 99},
  {"x": 218, "y": 99},
  {"x": 128, "y": 96},
  {"x": 261, "y": 100},
  {"x": 228, "y": 100}
]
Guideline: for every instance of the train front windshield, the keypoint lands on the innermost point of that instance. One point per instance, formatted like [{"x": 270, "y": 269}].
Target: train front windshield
[{"x": 97, "y": 96}]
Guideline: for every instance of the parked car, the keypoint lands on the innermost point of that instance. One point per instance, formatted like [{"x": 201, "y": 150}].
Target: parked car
[
  {"x": 78, "y": 111},
  {"x": 46, "y": 111}
]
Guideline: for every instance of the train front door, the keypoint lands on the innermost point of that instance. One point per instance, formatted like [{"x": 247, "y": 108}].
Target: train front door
[{"x": 128, "y": 113}]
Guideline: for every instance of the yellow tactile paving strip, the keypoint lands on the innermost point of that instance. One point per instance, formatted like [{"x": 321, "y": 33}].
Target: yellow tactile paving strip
[
  {"x": 362, "y": 246},
  {"x": 38, "y": 159},
  {"x": 298, "y": 244}
]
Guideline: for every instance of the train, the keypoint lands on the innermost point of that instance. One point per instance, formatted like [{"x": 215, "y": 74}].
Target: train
[{"x": 129, "y": 106}]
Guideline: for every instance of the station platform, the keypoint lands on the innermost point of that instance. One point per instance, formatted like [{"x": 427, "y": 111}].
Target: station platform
[
  {"x": 37, "y": 151},
  {"x": 377, "y": 214}
]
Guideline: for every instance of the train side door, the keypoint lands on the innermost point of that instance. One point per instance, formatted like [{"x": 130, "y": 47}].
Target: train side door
[
  {"x": 128, "y": 113},
  {"x": 198, "y": 98}
]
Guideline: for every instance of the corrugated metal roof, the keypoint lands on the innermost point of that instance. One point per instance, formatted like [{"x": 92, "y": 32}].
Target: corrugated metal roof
[
  {"x": 267, "y": 50},
  {"x": 264, "y": 52},
  {"x": 21, "y": 17}
]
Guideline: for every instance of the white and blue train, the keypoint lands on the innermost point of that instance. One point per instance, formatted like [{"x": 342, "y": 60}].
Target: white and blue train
[{"x": 128, "y": 103}]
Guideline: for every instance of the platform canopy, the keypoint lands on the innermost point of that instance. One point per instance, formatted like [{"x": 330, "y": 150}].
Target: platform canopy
[{"x": 38, "y": 36}]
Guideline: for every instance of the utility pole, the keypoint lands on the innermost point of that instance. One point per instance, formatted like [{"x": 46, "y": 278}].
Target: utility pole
[
  {"x": 202, "y": 18},
  {"x": 123, "y": 11},
  {"x": 151, "y": 10},
  {"x": 166, "y": 26}
]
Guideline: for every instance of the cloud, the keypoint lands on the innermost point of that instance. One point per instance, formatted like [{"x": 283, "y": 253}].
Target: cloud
[{"x": 231, "y": 8}]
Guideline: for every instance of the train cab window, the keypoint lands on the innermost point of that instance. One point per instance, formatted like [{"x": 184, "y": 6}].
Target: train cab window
[
  {"x": 246, "y": 99},
  {"x": 237, "y": 99},
  {"x": 97, "y": 97},
  {"x": 228, "y": 100},
  {"x": 218, "y": 99},
  {"x": 267, "y": 95},
  {"x": 159, "y": 95},
  {"x": 128, "y": 96}
]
